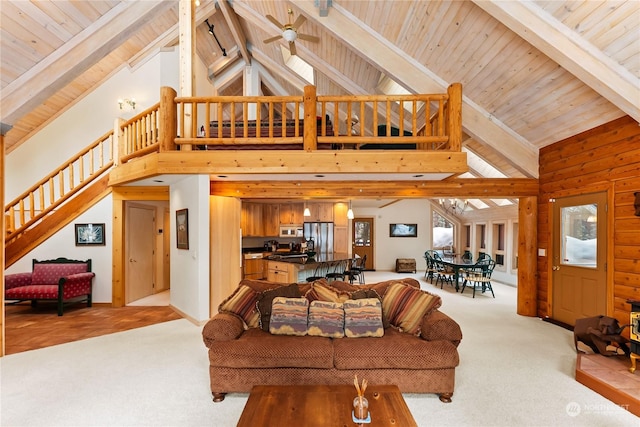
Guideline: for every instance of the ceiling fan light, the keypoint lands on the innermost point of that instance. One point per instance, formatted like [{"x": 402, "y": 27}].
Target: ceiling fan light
[{"x": 289, "y": 35}]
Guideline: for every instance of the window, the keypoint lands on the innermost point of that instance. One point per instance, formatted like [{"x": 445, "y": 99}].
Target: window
[{"x": 443, "y": 233}]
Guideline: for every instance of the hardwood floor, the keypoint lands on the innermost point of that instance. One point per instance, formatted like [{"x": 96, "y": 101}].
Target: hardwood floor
[{"x": 29, "y": 328}]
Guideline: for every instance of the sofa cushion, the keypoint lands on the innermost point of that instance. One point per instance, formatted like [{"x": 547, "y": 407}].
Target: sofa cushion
[
  {"x": 32, "y": 292},
  {"x": 363, "y": 318},
  {"x": 394, "y": 350},
  {"x": 405, "y": 306},
  {"x": 326, "y": 319},
  {"x": 323, "y": 292},
  {"x": 289, "y": 316},
  {"x": 258, "y": 349},
  {"x": 50, "y": 273},
  {"x": 242, "y": 302},
  {"x": 371, "y": 293},
  {"x": 265, "y": 302}
]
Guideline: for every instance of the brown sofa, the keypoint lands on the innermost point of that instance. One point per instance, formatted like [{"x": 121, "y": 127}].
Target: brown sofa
[{"x": 241, "y": 356}]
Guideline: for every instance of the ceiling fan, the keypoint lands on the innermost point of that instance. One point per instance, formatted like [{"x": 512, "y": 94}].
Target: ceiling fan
[{"x": 290, "y": 31}]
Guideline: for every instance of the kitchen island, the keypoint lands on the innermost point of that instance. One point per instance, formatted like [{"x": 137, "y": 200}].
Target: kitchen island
[{"x": 293, "y": 268}]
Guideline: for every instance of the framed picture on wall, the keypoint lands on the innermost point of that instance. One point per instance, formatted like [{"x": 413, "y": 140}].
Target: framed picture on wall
[
  {"x": 403, "y": 230},
  {"x": 90, "y": 235},
  {"x": 182, "y": 228}
]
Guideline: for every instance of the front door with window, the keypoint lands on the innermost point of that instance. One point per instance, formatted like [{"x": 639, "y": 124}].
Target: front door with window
[
  {"x": 362, "y": 239},
  {"x": 579, "y": 276}
]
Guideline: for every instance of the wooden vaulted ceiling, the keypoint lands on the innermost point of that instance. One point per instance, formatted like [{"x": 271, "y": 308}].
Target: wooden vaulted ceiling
[{"x": 533, "y": 72}]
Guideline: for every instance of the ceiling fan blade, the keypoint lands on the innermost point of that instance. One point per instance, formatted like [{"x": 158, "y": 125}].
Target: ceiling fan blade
[
  {"x": 299, "y": 21},
  {"x": 308, "y": 37},
  {"x": 292, "y": 48},
  {"x": 272, "y": 39},
  {"x": 275, "y": 21}
]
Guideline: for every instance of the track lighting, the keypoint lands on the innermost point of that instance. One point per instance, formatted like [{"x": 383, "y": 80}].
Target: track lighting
[{"x": 224, "y": 52}]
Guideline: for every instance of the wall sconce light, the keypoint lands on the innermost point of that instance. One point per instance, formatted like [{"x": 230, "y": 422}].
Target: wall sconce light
[
  {"x": 350, "y": 211},
  {"x": 126, "y": 104}
]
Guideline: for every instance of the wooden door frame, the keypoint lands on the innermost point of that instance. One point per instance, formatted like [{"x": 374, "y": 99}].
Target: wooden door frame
[
  {"x": 373, "y": 232},
  {"x": 120, "y": 196},
  {"x": 603, "y": 188}
]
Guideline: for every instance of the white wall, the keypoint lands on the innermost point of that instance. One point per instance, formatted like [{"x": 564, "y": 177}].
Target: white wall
[
  {"x": 387, "y": 249},
  {"x": 190, "y": 268}
]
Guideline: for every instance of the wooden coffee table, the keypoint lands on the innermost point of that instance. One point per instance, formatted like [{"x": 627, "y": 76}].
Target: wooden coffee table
[{"x": 323, "y": 405}]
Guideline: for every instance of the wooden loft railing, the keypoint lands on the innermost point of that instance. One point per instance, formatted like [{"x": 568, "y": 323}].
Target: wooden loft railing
[
  {"x": 50, "y": 192},
  {"x": 431, "y": 122}
]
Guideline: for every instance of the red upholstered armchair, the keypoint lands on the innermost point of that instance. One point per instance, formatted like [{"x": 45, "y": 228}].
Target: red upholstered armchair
[{"x": 62, "y": 280}]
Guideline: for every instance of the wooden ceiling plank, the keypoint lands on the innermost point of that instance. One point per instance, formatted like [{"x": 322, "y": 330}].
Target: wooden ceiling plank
[
  {"x": 572, "y": 52},
  {"x": 46, "y": 21},
  {"x": 62, "y": 66},
  {"x": 476, "y": 121}
]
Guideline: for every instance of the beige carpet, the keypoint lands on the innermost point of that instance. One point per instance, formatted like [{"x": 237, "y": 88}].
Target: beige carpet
[{"x": 514, "y": 371}]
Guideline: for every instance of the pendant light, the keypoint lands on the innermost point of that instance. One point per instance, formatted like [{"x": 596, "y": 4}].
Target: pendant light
[
  {"x": 350, "y": 211},
  {"x": 306, "y": 212}
]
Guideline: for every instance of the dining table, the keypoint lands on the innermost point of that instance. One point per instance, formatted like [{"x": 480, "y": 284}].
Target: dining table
[{"x": 457, "y": 264}]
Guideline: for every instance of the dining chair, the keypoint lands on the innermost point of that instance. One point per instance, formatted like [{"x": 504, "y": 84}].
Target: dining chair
[
  {"x": 431, "y": 271},
  {"x": 356, "y": 270},
  {"x": 479, "y": 276},
  {"x": 445, "y": 273}
]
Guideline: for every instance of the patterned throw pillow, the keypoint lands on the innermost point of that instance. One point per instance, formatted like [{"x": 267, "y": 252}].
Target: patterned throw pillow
[
  {"x": 363, "y": 318},
  {"x": 370, "y": 293},
  {"x": 242, "y": 303},
  {"x": 289, "y": 316},
  {"x": 326, "y": 319},
  {"x": 322, "y": 292},
  {"x": 265, "y": 302},
  {"x": 405, "y": 306}
]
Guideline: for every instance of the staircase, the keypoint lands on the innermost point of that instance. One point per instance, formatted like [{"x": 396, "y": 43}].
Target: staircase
[{"x": 58, "y": 199}]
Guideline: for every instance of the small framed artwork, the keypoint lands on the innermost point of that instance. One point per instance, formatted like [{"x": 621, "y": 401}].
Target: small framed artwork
[
  {"x": 90, "y": 235},
  {"x": 403, "y": 230},
  {"x": 182, "y": 228}
]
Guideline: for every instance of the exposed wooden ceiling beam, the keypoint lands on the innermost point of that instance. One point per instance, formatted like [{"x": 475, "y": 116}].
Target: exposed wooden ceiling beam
[
  {"x": 405, "y": 70},
  {"x": 573, "y": 52},
  {"x": 236, "y": 30},
  {"x": 76, "y": 56},
  {"x": 457, "y": 187}
]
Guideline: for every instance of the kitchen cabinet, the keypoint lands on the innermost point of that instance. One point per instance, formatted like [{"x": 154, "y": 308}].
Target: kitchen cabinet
[
  {"x": 291, "y": 213},
  {"x": 282, "y": 272},
  {"x": 254, "y": 268},
  {"x": 340, "y": 214},
  {"x": 251, "y": 220},
  {"x": 320, "y": 212},
  {"x": 341, "y": 240},
  {"x": 271, "y": 219}
]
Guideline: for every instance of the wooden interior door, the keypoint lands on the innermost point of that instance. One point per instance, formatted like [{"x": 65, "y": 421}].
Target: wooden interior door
[
  {"x": 579, "y": 275},
  {"x": 140, "y": 252},
  {"x": 362, "y": 239},
  {"x": 166, "y": 251}
]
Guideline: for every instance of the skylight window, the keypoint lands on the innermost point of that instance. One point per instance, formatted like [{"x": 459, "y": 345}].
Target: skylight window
[{"x": 297, "y": 65}]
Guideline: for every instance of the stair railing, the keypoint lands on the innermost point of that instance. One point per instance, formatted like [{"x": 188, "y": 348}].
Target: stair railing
[{"x": 60, "y": 185}]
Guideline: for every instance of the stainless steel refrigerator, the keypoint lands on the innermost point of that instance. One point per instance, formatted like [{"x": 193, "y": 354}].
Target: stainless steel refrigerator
[{"x": 322, "y": 235}]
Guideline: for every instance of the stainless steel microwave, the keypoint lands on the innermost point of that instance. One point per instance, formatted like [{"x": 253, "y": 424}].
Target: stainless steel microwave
[{"x": 291, "y": 231}]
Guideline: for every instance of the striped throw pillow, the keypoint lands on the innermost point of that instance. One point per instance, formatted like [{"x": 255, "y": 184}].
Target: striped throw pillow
[
  {"x": 289, "y": 316},
  {"x": 322, "y": 292},
  {"x": 326, "y": 319},
  {"x": 363, "y": 318},
  {"x": 405, "y": 306},
  {"x": 243, "y": 303}
]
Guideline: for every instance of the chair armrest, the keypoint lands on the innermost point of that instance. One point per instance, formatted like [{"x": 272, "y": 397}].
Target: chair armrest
[
  {"x": 16, "y": 280},
  {"x": 77, "y": 278},
  {"x": 222, "y": 327},
  {"x": 75, "y": 285},
  {"x": 438, "y": 326}
]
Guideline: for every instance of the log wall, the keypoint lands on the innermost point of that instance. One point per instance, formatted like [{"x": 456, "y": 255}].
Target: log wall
[{"x": 606, "y": 158}]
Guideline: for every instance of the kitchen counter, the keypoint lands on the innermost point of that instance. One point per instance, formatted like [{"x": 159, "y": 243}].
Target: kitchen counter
[{"x": 290, "y": 268}]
